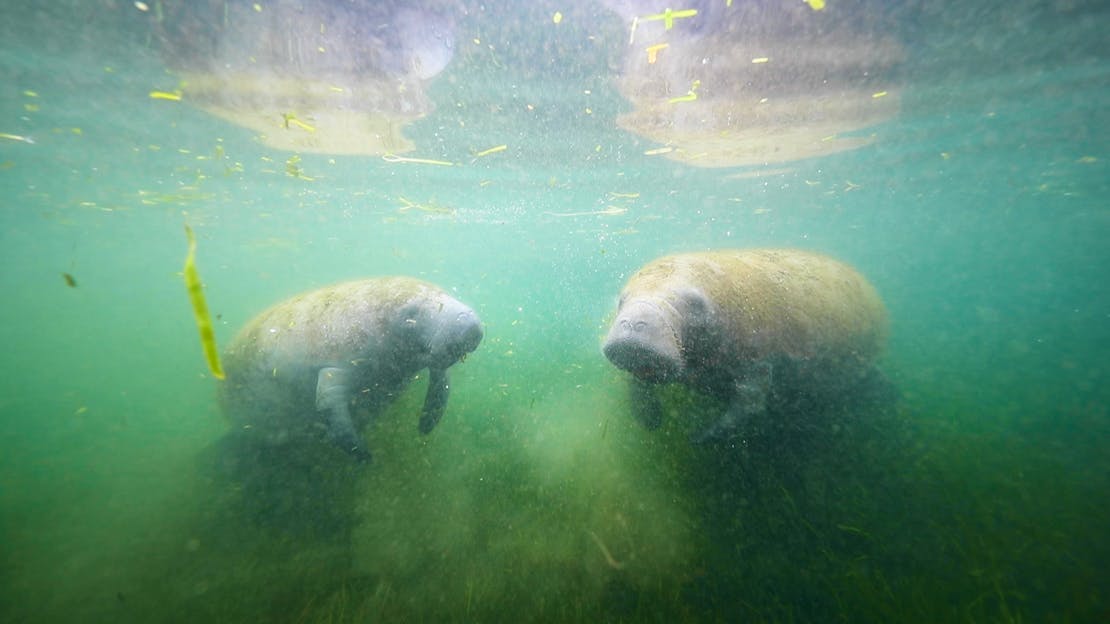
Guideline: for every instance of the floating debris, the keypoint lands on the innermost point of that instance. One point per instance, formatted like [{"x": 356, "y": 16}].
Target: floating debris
[
  {"x": 173, "y": 96},
  {"x": 393, "y": 158},
  {"x": 669, "y": 16},
  {"x": 184, "y": 195},
  {"x": 200, "y": 307},
  {"x": 492, "y": 150},
  {"x": 70, "y": 280},
  {"x": 293, "y": 168},
  {"x": 690, "y": 96},
  {"x": 292, "y": 121},
  {"x": 429, "y": 207},
  {"x": 613, "y": 563},
  {"x": 653, "y": 52},
  {"x": 17, "y": 137},
  {"x": 608, "y": 210}
]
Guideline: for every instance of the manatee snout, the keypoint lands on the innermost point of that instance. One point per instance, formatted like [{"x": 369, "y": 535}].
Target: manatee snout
[
  {"x": 468, "y": 334},
  {"x": 459, "y": 334},
  {"x": 643, "y": 342}
]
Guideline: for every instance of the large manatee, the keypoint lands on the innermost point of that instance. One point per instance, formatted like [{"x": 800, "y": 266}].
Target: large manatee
[
  {"x": 313, "y": 361},
  {"x": 724, "y": 320}
]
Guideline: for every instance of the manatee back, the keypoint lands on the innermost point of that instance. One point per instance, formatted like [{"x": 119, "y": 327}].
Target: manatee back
[
  {"x": 272, "y": 363},
  {"x": 779, "y": 302}
]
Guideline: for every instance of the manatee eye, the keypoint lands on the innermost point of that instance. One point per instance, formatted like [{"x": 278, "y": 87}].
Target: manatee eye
[
  {"x": 696, "y": 306},
  {"x": 695, "y": 301},
  {"x": 409, "y": 316}
]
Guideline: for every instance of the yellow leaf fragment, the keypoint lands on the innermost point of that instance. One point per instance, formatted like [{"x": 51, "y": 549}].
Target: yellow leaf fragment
[
  {"x": 690, "y": 96},
  {"x": 668, "y": 16},
  {"x": 16, "y": 137},
  {"x": 292, "y": 121},
  {"x": 653, "y": 51},
  {"x": 200, "y": 307},
  {"x": 173, "y": 96},
  {"x": 492, "y": 150}
]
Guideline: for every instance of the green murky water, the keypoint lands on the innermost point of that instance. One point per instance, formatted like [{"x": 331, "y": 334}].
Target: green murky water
[{"x": 979, "y": 213}]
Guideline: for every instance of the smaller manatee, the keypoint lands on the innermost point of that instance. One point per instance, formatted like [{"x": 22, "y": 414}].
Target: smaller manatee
[
  {"x": 724, "y": 321},
  {"x": 315, "y": 361}
]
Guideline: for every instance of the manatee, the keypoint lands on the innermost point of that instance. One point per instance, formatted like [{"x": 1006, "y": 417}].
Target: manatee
[
  {"x": 723, "y": 321},
  {"x": 308, "y": 364}
]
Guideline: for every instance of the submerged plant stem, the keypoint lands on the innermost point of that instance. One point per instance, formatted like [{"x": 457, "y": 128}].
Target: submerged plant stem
[{"x": 613, "y": 563}]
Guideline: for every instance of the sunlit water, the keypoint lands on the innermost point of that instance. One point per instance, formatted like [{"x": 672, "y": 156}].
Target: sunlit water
[{"x": 980, "y": 215}]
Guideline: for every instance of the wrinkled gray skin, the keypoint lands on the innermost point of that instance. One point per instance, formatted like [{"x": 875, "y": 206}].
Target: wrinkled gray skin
[
  {"x": 676, "y": 338},
  {"x": 321, "y": 359}
]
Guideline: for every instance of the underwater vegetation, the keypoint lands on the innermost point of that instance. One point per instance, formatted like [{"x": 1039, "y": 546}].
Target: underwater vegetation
[{"x": 556, "y": 505}]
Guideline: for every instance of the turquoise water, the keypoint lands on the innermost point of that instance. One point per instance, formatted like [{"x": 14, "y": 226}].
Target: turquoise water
[{"x": 979, "y": 213}]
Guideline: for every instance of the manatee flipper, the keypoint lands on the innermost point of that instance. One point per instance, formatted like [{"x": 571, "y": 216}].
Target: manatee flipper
[
  {"x": 646, "y": 404},
  {"x": 333, "y": 396},
  {"x": 749, "y": 397},
  {"x": 435, "y": 401}
]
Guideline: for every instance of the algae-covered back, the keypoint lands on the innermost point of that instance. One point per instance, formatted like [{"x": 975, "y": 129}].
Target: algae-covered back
[{"x": 777, "y": 301}]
